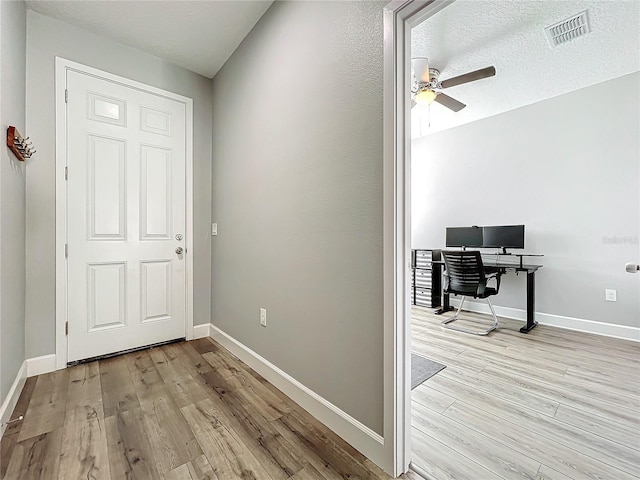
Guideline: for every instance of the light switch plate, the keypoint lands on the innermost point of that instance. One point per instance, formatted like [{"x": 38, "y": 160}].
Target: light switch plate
[{"x": 214, "y": 229}]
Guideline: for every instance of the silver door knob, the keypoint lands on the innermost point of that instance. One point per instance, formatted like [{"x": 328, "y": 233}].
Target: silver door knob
[{"x": 179, "y": 250}]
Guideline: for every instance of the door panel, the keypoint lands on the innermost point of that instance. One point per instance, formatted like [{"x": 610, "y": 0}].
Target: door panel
[
  {"x": 108, "y": 110},
  {"x": 126, "y": 210},
  {"x": 107, "y": 292},
  {"x": 155, "y": 193},
  {"x": 155, "y": 289},
  {"x": 106, "y": 188},
  {"x": 154, "y": 121}
]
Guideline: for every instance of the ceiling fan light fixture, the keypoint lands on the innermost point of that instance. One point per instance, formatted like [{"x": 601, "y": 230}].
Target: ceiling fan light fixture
[{"x": 425, "y": 97}]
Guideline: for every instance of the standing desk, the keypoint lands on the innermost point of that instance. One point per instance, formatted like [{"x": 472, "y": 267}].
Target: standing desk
[{"x": 504, "y": 267}]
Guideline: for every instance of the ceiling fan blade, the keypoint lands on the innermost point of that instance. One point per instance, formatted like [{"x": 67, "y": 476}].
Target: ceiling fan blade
[
  {"x": 421, "y": 69},
  {"x": 468, "y": 77},
  {"x": 450, "y": 103}
]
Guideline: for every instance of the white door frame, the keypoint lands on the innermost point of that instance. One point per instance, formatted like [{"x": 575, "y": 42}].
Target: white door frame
[
  {"x": 61, "y": 69},
  {"x": 400, "y": 17}
]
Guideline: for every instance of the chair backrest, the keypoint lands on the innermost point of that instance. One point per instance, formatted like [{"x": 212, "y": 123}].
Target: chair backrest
[{"x": 465, "y": 272}]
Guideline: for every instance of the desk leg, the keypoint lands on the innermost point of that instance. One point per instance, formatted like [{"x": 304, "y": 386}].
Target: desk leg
[
  {"x": 446, "y": 306},
  {"x": 531, "y": 303}
]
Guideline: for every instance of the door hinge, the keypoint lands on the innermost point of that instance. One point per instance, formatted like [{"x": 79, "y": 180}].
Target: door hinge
[
  {"x": 66, "y": 96},
  {"x": 66, "y": 173},
  {"x": 66, "y": 250},
  {"x": 66, "y": 328}
]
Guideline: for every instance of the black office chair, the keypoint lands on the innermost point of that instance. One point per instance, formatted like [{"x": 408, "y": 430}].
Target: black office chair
[{"x": 465, "y": 275}]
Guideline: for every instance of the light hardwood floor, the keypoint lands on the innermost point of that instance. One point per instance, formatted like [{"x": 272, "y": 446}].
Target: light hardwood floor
[
  {"x": 186, "y": 411},
  {"x": 553, "y": 404}
]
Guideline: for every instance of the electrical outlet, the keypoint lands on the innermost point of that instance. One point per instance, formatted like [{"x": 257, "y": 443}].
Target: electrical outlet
[
  {"x": 214, "y": 229},
  {"x": 263, "y": 317},
  {"x": 610, "y": 295}
]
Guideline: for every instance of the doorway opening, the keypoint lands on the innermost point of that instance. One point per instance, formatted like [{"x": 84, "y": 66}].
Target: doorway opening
[{"x": 539, "y": 162}]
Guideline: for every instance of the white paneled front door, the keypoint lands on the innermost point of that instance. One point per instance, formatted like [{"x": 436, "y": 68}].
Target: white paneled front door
[{"x": 126, "y": 283}]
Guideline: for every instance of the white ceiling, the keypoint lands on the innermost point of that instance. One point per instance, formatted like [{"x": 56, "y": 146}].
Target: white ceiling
[
  {"x": 197, "y": 35},
  {"x": 468, "y": 35}
]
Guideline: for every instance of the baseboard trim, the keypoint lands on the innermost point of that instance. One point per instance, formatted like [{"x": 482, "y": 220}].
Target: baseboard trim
[
  {"x": 40, "y": 365},
  {"x": 12, "y": 397},
  {"x": 568, "y": 323},
  {"x": 361, "y": 437},
  {"x": 418, "y": 470},
  {"x": 202, "y": 331}
]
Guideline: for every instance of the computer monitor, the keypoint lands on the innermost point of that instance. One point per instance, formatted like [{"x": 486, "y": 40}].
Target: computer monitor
[
  {"x": 464, "y": 237},
  {"x": 503, "y": 236}
]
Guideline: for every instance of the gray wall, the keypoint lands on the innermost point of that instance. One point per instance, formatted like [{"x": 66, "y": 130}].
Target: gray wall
[
  {"x": 568, "y": 168},
  {"x": 12, "y": 195},
  {"x": 47, "y": 38},
  {"x": 297, "y": 195}
]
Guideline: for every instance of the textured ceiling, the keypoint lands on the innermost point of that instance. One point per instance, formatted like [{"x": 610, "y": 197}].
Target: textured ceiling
[
  {"x": 468, "y": 35},
  {"x": 197, "y": 35}
]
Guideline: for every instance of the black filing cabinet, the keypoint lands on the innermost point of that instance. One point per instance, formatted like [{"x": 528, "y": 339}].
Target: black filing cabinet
[{"x": 426, "y": 278}]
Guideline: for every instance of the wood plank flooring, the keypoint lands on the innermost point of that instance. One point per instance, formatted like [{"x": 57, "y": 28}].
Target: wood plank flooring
[
  {"x": 186, "y": 411},
  {"x": 553, "y": 404}
]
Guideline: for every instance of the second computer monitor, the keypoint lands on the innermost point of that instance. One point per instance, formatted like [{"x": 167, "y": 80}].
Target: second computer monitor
[{"x": 503, "y": 236}]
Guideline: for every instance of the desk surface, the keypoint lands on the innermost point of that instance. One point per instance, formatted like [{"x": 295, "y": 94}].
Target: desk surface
[{"x": 529, "y": 268}]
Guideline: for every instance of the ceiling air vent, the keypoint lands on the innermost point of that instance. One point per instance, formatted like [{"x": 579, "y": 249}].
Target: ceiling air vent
[{"x": 573, "y": 27}]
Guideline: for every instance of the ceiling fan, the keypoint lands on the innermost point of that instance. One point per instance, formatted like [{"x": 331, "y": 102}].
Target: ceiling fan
[{"x": 428, "y": 87}]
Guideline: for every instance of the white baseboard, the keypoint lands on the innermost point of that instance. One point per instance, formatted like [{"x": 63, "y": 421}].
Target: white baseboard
[
  {"x": 568, "y": 323},
  {"x": 202, "y": 331},
  {"x": 40, "y": 365},
  {"x": 12, "y": 397},
  {"x": 361, "y": 437}
]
